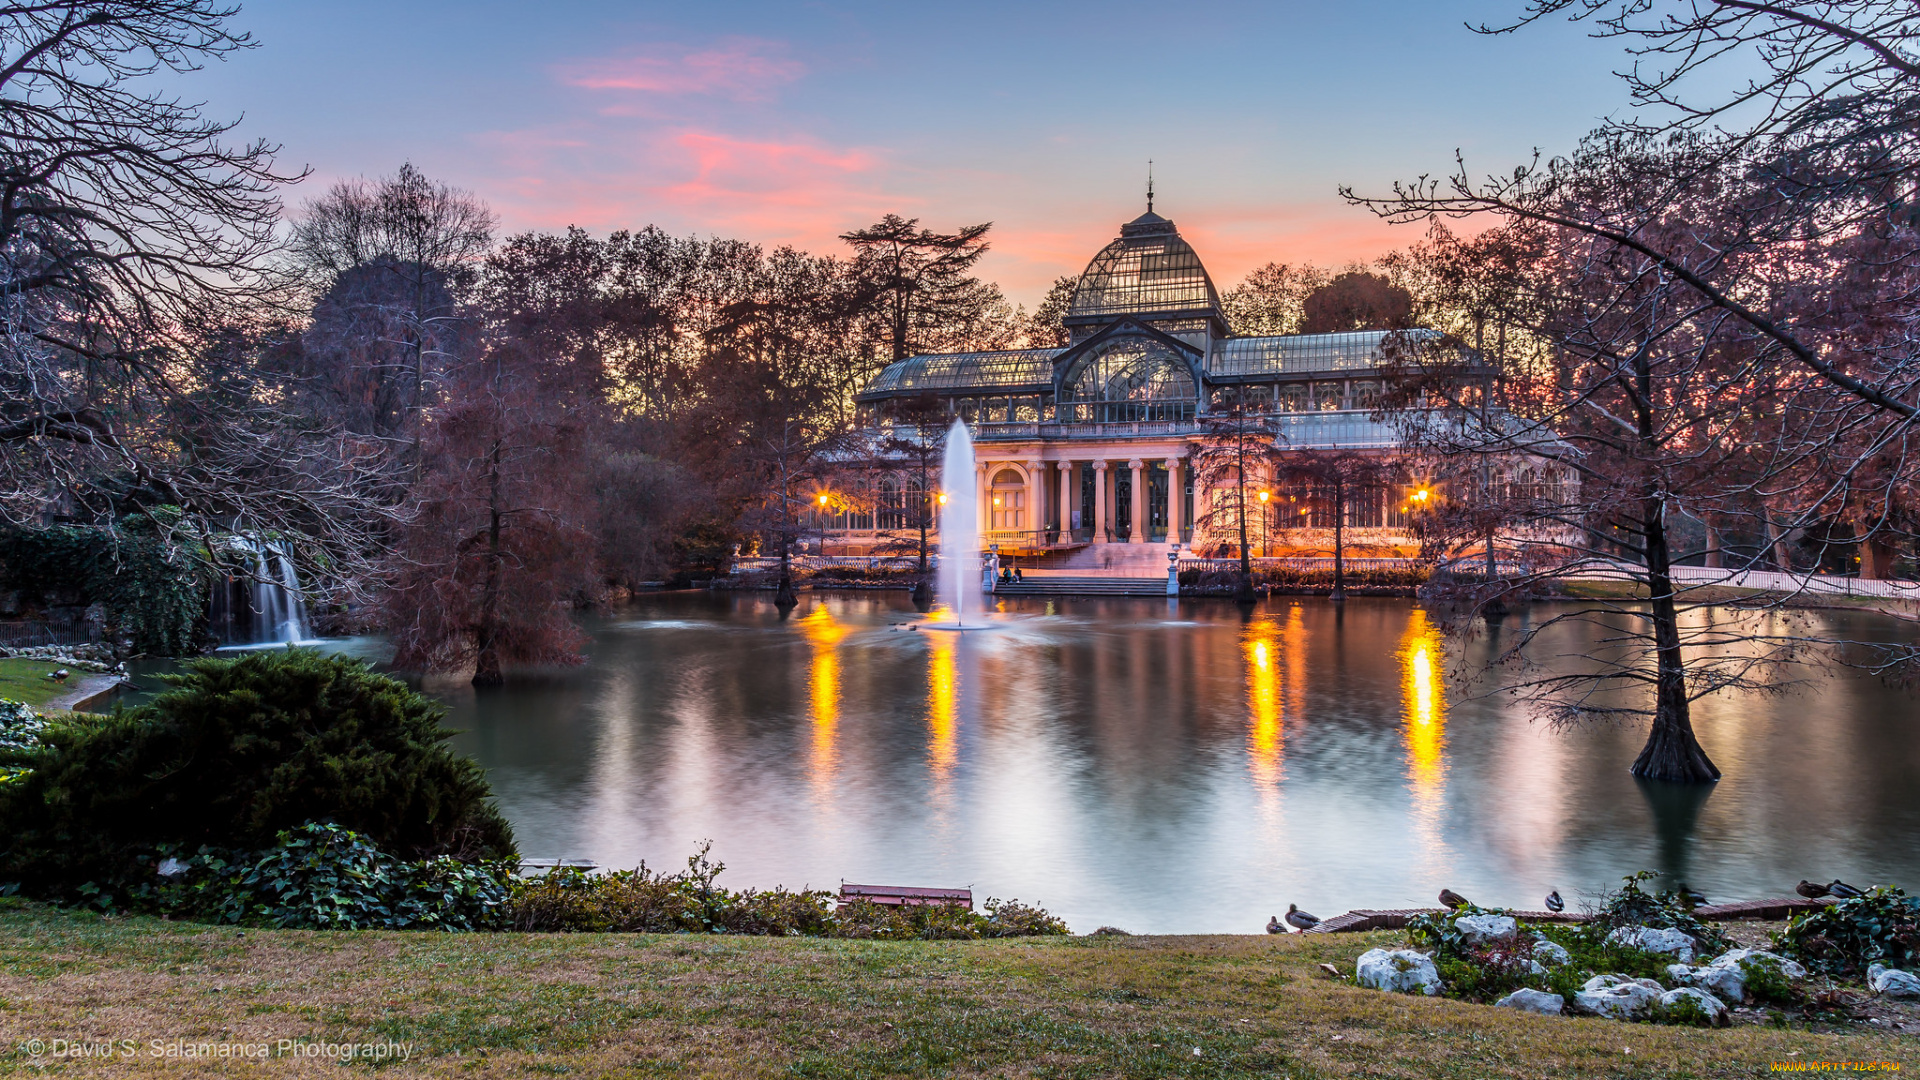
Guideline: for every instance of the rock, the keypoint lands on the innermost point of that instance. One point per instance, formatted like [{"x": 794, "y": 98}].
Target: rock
[
  {"x": 1726, "y": 977},
  {"x": 1647, "y": 939},
  {"x": 1550, "y": 953},
  {"x": 1679, "y": 973},
  {"x": 1618, "y": 997},
  {"x": 1483, "y": 930},
  {"x": 1534, "y": 1001},
  {"x": 1892, "y": 982},
  {"x": 1743, "y": 956},
  {"x": 1709, "y": 1006},
  {"x": 1401, "y": 971},
  {"x": 1606, "y": 982}
]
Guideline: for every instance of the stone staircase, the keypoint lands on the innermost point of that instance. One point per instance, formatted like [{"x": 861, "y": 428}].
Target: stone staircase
[{"x": 1066, "y": 585}]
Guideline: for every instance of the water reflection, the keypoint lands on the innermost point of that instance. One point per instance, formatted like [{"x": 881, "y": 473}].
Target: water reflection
[
  {"x": 943, "y": 722},
  {"x": 823, "y": 682},
  {"x": 1177, "y": 772}
]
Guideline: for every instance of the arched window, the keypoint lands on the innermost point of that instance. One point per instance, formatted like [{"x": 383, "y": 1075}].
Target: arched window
[
  {"x": 1132, "y": 379},
  {"x": 1008, "y": 502}
]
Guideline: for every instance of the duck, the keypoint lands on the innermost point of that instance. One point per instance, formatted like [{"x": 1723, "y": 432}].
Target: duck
[
  {"x": 1843, "y": 890},
  {"x": 1298, "y": 918},
  {"x": 1554, "y": 903},
  {"x": 1453, "y": 899},
  {"x": 1688, "y": 896},
  {"x": 1274, "y": 925},
  {"x": 1810, "y": 890},
  {"x": 59, "y": 676}
]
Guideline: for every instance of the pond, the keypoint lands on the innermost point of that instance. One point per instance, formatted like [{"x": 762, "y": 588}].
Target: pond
[{"x": 1162, "y": 766}]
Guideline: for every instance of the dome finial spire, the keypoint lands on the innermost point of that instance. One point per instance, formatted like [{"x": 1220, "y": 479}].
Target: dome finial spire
[{"x": 1149, "y": 185}]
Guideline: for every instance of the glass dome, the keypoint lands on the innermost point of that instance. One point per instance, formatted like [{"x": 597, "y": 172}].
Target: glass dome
[{"x": 1149, "y": 270}]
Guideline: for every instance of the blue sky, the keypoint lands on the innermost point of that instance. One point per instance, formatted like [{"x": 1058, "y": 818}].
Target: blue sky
[{"x": 793, "y": 122}]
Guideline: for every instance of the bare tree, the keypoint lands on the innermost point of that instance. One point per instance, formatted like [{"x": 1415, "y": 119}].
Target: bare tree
[
  {"x": 136, "y": 292},
  {"x": 1332, "y": 481},
  {"x": 1235, "y": 448},
  {"x": 393, "y": 255},
  {"x": 1272, "y": 300}
]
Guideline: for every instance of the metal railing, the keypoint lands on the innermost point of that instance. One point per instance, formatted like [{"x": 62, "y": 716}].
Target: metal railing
[
  {"x": 1300, "y": 562},
  {"x": 817, "y": 562}
]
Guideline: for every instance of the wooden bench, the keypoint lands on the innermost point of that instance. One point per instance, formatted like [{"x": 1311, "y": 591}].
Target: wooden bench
[{"x": 905, "y": 896}]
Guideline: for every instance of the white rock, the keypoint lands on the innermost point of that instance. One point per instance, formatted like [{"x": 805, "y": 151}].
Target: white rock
[
  {"x": 1893, "y": 982},
  {"x": 1625, "y": 999},
  {"x": 1607, "y": 982},
  {"x": 1679, "y": 973},
  {"x": 171, "y": 867},
  {"x": 1534, "y": 1001},
  {"x": 1711, "y": 1006},
  {"x": 1647, "y": 939},
  {"x": 1401, "y": 971},
  {"x": 1744, "y": 956},
  {"x": 1481, "y": 930},
  {"x": 1549, "y": 953},
  {"x": 1727, "y": 976}
]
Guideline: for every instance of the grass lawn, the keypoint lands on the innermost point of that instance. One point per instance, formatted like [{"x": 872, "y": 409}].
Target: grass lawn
[
  {"x": 644, "y": 1005},
  {"x": 26, "y": 680}
]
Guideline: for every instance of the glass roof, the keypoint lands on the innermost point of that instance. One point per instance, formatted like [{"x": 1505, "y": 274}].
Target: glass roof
[
  {"x": 1336, "y": 430},
  {"x": 1356, "y": 351},
  {"x": 1017, "y": 369},
  {"x": 1148, "y": 270}
]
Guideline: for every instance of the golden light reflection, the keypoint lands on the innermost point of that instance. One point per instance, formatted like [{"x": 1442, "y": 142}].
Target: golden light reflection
[
  {"x": 823, "y": 690},
  {"x": 1425, "y": 702},
  {"x": 942, "y": 704},
  {"x": 1276, "y": 656},
  {"x": 1265, "y": 738}
]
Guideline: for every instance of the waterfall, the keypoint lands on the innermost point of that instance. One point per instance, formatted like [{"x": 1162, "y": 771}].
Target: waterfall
[
  {"x": 268, "y": 610},
  {"x": 959, "y": 526}
]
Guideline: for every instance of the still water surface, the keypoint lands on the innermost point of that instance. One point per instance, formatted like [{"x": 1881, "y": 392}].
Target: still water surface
[{"x": 1161, "y": 767}]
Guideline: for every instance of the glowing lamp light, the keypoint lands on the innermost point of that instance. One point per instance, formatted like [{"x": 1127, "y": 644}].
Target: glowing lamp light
[
  {"x": 943, "y": 498},
  {"x": 1422, "y": 495},
  {"x": 996, "y": 500},
  {"x": 823, "y": 499},
  {"x": 1264, "y": 496}
]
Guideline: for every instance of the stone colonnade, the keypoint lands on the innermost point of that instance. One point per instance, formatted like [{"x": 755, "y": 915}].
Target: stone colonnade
[{"x": 1045, "y": 514}]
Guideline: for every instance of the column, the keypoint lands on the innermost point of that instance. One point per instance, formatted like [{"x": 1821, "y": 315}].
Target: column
[
  {"x": 1174, "y": 491},
  {"x": 1036, "y": 499},
  {"x": 1069, "y": 498},
  {"x": 983, "y": 498},
  {"x": 1139, "y": 468},
  {"x": 1099, "y": 502}
]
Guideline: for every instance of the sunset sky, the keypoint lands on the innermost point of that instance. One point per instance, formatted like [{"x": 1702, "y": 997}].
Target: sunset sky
[{"x": 793, "y": 122}]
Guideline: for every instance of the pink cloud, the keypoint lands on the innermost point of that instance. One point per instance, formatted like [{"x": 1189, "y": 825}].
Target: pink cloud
[{"x": 745, "y": 69}]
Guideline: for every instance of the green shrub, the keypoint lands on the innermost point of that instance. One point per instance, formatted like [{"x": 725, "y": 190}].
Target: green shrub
[
  {"x": 235, "y": 753},
  {"x": 323, "y": 877},
  {"x": 1481, "y": 973},
  {"x": 20, "y": 732},
  {"x": 646, "y": 901},
  {"x": 1633, "y": 906},
  {"x": 1845, "y": 937},
  {"x": 689, "y": 901},
  {"x": 144, "y": 581}
]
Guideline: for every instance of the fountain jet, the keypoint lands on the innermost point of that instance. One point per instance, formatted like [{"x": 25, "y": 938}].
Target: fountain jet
[{"x": 959, "y": 526}]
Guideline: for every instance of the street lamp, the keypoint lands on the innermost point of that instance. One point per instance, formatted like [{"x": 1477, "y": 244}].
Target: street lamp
[
  {"x": 1264, "y": 496},
  {"x": 823, "y": 527}
]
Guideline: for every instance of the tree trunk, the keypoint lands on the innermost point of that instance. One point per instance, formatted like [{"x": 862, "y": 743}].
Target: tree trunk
[
  {"x": 1876, "y": 558},
  {"x": 486, "y": 667},
  {"x": 1243, "y": 593},
  {"x": 1672, "y": 752},
  {"x": 1339, "y": 543}
]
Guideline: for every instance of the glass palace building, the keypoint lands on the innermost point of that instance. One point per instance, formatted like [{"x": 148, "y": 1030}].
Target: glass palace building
[{"x": 1090, "y": 443}]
